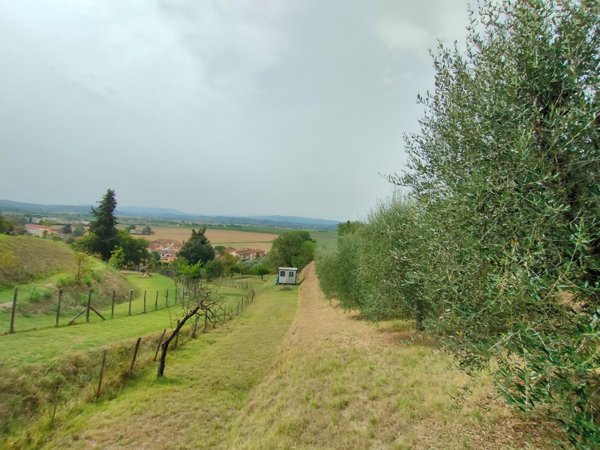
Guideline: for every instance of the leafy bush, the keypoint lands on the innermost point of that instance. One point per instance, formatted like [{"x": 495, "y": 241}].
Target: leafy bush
[{"x": 37, "y": 294}]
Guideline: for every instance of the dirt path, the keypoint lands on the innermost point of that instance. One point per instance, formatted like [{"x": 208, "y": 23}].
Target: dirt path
[{"x": 342, "y": 383}]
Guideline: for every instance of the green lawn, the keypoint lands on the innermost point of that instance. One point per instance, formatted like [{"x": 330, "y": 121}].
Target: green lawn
[
  {"x": 30, "y": 321},
  {"x": 207, "y": 382},
  {"x": 47, "y": 341}
]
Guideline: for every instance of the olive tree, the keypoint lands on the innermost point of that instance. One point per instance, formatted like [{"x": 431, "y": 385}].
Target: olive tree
[{"x": 506, "y": 167}]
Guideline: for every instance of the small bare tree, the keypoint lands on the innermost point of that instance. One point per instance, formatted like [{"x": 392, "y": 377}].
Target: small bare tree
[{"x": 200, "y": 302}]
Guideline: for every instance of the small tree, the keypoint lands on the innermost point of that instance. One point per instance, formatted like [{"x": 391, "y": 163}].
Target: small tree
[
  {"x": 103, "y": 228},
  {"x": 213, "y": 269},
  {"x": 78, "y": 231},
  {"x": 292, "y": 248},
  {"x": 197, "y": 248},
  {"x": 261, "y": 270},
  {"x": 117, "y": 258},
  {"x": 200, "y": 302},
  {"x": 135, "y": 250}
]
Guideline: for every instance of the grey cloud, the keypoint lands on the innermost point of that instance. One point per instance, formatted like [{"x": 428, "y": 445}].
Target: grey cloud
[{"x": 216, "y": 107}]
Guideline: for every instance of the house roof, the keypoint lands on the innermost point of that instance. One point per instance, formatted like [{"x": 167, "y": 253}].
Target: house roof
[{"x": 288, "y": 268}]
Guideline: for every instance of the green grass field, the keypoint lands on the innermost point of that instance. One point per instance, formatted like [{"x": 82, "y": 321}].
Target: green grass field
[
  {"x": 46, "y": 341},
  {"x": 238, "y": 352}
]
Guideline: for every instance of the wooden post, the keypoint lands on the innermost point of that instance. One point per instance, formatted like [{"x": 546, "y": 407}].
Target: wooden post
[
  {"x": 162, "y": 336},
  {"x": 156, "y": 301},
  {"x": 13, "y": 311},
  {"x": 175, "y": 295},
  {"x": 238, "y": 308},
  {"x": 130, "y": 299},
  {"x": 60, "y": 293},
  {"x": 144, "y": 300},
  {"x": 205, "y": 322},
  {"x": 135, "y": 352},
  {"x": 112, "y": 306},
  {"x": 176, "y": 336},
  {"x": 56, "y": 394},
  {"x": 167, "y": 298},
  {"x": 101, "y": 375},
  {"x": 87, "y": 309}
]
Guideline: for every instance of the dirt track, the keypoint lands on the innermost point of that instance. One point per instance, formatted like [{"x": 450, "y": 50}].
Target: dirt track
[{"x": 340, "y": 382}]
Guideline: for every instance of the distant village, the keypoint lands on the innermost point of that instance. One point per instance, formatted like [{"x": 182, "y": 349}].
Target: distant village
[{"x": 167, "y": 249}]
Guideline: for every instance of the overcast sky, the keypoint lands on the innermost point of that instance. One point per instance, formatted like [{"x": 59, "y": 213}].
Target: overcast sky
[{"x": 288, "y": 107}]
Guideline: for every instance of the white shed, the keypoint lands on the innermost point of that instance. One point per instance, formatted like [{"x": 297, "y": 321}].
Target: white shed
[{"x": 287, "y": 275}]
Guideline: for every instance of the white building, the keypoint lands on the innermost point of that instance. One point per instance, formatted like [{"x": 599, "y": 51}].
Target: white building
[{"x": 287, "y": 275}]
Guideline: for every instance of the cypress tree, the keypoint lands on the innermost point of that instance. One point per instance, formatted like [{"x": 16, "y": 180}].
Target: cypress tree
[{"x": 103, "y": 227}]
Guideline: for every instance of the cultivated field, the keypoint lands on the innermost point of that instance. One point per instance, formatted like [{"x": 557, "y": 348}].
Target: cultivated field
[{"x": 228, "y": 238}]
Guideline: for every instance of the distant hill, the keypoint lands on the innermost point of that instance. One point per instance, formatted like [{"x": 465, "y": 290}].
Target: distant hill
[{"x": 9, "y": 206}]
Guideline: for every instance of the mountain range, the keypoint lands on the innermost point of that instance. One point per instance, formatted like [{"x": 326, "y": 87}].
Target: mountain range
[{"x": 10, "y": 206}]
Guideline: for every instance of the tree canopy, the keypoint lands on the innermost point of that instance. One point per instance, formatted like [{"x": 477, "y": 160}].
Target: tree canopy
[
  {"x": 497, "y": 248},
  {"x": 293, "y": 248},
  {"x": 197, "y": 248},
  {"x": 103, "y": 228}
]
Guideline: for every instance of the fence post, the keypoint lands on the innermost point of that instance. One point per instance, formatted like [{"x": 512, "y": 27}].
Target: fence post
[
  {"x": 55, "y": 401},
  {"x": 13, "y": 311},
  {"x": 156, "y": 301},
  {"x": 162, "y": 336},
  {"x": 101, "y": 374},
  {"x": 175, "y": 295},
  {"x": 130, "y": 298},
  {"x": 87, "y": 310},
  {"x": 60, "y": 293},
  {"x": 144, "y": 300},
  {"x": 176, "y": 336},
  {"x": 112, "y": 306},
  {"x": 238, "y": 308},
  {"x": 167, "y": 298},
  {"x": 135, "y": 352}
]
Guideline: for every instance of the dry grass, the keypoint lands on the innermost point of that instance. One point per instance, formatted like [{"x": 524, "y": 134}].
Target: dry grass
[
  {"x": 231, "y": 238},
  {"x": 342, "y": 383},
  {"x": 25, "y": 258},
  {"x": 335, "y": 382}
]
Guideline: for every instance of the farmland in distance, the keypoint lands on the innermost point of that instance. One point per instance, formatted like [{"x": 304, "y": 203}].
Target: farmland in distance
[{"x": 227, "y": 238}]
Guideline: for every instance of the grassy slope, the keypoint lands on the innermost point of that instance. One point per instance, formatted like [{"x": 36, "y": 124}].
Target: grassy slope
[
  {"x": 207, "y": 383},
  {"x": 37, "y": 364},
  {"x": 42, "y": 314},
  {"x": 25, "y": 258},
  {"x": 336, "y": 382},
  {"x": 40, "y": 345},
  {"x": 37, "y": 267},
  {"x": 341, "y": 383}
]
